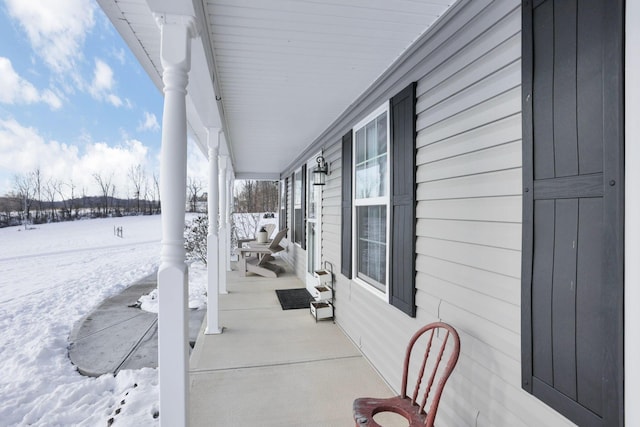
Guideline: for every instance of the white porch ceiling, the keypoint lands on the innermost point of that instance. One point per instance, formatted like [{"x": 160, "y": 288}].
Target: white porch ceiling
[{"x": 284, "y": 69}]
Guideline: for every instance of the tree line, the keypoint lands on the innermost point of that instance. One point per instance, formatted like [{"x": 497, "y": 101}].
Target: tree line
[
  {"x": 250, "y": 196},
  {"x": 36, "y": 198}
]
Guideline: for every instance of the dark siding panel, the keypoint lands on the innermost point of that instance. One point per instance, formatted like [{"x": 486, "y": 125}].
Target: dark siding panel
[
  {"x": 543, "y": 89},
  {"x": 347, "y": 154},
  {"x": 572, "y": 337},
  {"x": 589, "y": 85},
  {"x": 542, "y": 289},
  {"x": 283, "y": 210},
  {"x": 527, "y": 320},
  {"x": 564, "y": 89},
  {"x": 403, "y": 220},
  {"x": 589, "y": 327},
  {"x": 613, "y": 206},
  {"x": 564, "y": 300},
  {"x": 291, "y": 232},
  {"x": 287, "y": 211}
]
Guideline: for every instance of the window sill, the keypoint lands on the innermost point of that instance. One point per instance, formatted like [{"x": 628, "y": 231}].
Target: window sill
[{"x": 369, "y": 288}]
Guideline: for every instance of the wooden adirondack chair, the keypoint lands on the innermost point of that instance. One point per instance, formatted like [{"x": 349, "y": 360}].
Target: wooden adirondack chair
[{"x": 262, "y": 264}]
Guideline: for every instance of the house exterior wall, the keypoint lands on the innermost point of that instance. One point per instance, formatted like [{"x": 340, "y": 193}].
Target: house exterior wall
[
  {"x": 469, "y": 212},
  {"x": 469, "y": 156}
]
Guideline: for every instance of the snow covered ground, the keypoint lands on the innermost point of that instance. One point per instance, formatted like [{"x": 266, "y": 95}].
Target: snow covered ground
[{"x": 51, "y": 276}]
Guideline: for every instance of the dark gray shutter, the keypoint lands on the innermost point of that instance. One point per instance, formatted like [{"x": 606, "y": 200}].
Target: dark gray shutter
[
  {"x": 403, "y": 201},
  {"x": 572, "y": 287},
  {"x": 292, "y": 182},
  {"x": 347, "y": 153},
  {"x": 303, "y": 209}
]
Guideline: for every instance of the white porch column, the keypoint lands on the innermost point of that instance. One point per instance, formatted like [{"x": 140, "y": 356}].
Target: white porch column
[
  {"x": 224, "y": 244},
  {"x": 173, "y": 335},
  {"x": 213, "y": 262}
]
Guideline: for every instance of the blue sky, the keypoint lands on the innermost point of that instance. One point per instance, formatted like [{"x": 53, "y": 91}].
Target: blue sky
[{"x": 74, "y": 101}]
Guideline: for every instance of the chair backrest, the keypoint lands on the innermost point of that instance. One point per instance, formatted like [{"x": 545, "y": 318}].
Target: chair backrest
[
  {"x": 275, "y": 243},
  {"x": 442, "y": 343},
  {"x": 269, "y": 228}
]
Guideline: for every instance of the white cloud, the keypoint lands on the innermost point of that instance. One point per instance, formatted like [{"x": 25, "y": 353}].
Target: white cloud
[
  {"x": 23, "y": 149},
  {"x": 56, "y": 29},
  {"x": 102, "y": 85},
  {"x": 114, "y": 100},
  {"x": 102, "y": 77},
  {"x": 120, "y": 55},
  {"x": 150, "y": 123},
  {"x": 197, "y": 164},
  {"x": 17, "y": 90}
]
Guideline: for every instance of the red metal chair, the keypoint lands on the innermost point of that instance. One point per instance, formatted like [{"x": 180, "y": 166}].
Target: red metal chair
[{"x": 442, "y": 342}]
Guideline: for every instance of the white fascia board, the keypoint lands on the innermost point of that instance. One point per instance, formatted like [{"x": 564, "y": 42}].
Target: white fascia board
[{"x": 258, "y": 176}]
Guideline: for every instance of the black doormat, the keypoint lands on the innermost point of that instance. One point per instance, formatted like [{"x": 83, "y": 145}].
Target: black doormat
[{"x": 291, "y": 299}]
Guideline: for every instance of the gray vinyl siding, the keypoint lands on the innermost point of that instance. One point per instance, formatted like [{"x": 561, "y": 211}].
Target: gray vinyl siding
[
  {"x": 469, "y": 210},
  {"x": 469, "y": 155}
]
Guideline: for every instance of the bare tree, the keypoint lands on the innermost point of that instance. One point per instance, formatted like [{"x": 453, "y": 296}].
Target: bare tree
[
  {"x": 114, "y": 203},
  {"x": 148, "y": 196},
  {"x": 257, "y": 196},
  {"x": 66, "y": 209},
  {"x": 105, "y": 186},
  {"x": 84, "y": 200},
  {"x": 50, "y": 192},
  {"x": 9, "y": 205},
  {"x": 194, "y": 186},
  {"x": 245, "y": 201},
  {"x": 138, "y": 177},
  {"x": 37, "y": 182},
  {"x": 156, "y": 196},
  {"x": 25, "y": 190}
]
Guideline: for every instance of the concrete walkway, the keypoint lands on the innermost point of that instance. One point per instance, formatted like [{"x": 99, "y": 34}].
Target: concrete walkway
[
  {"x": 119, "y": 335},
  {"x": 274, "y": 367}
]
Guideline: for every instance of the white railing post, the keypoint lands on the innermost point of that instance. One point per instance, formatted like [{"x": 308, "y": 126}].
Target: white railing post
[
  {"x": 224, "y": 244},
  {"x": 213, "y": 259},
  {"x": 173, "y": 335}
]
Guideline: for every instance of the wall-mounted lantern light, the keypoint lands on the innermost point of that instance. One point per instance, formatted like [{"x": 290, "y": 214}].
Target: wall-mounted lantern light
[{"x": 320, "y": 171}]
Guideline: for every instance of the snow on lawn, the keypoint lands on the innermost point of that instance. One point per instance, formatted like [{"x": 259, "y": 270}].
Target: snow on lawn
[{"x": 51, "y": 276}]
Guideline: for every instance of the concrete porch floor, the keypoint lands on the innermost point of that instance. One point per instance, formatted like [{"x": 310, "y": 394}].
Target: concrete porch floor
[{"x": 272, "y": 367}]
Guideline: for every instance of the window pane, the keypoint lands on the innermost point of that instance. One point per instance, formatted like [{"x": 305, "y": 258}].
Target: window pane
[
  {"x": 311, "y": 196},
  {"x": 297, "y": 190},
  {"x": 360, "y": 148},
  {"x": 372, "y": 140},
  {"x": 367, "y": 180},
  {"x": 371, "y": 159},
  {"x": 371, "y": 229},
  {"x": 382, "y": 132},
  {"x": 382, "y": 172}
]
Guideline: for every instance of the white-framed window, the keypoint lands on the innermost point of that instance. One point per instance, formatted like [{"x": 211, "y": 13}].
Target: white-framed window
[
  {"x": 371, "y": 200},
  {"x": 379, "y": 202}
]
